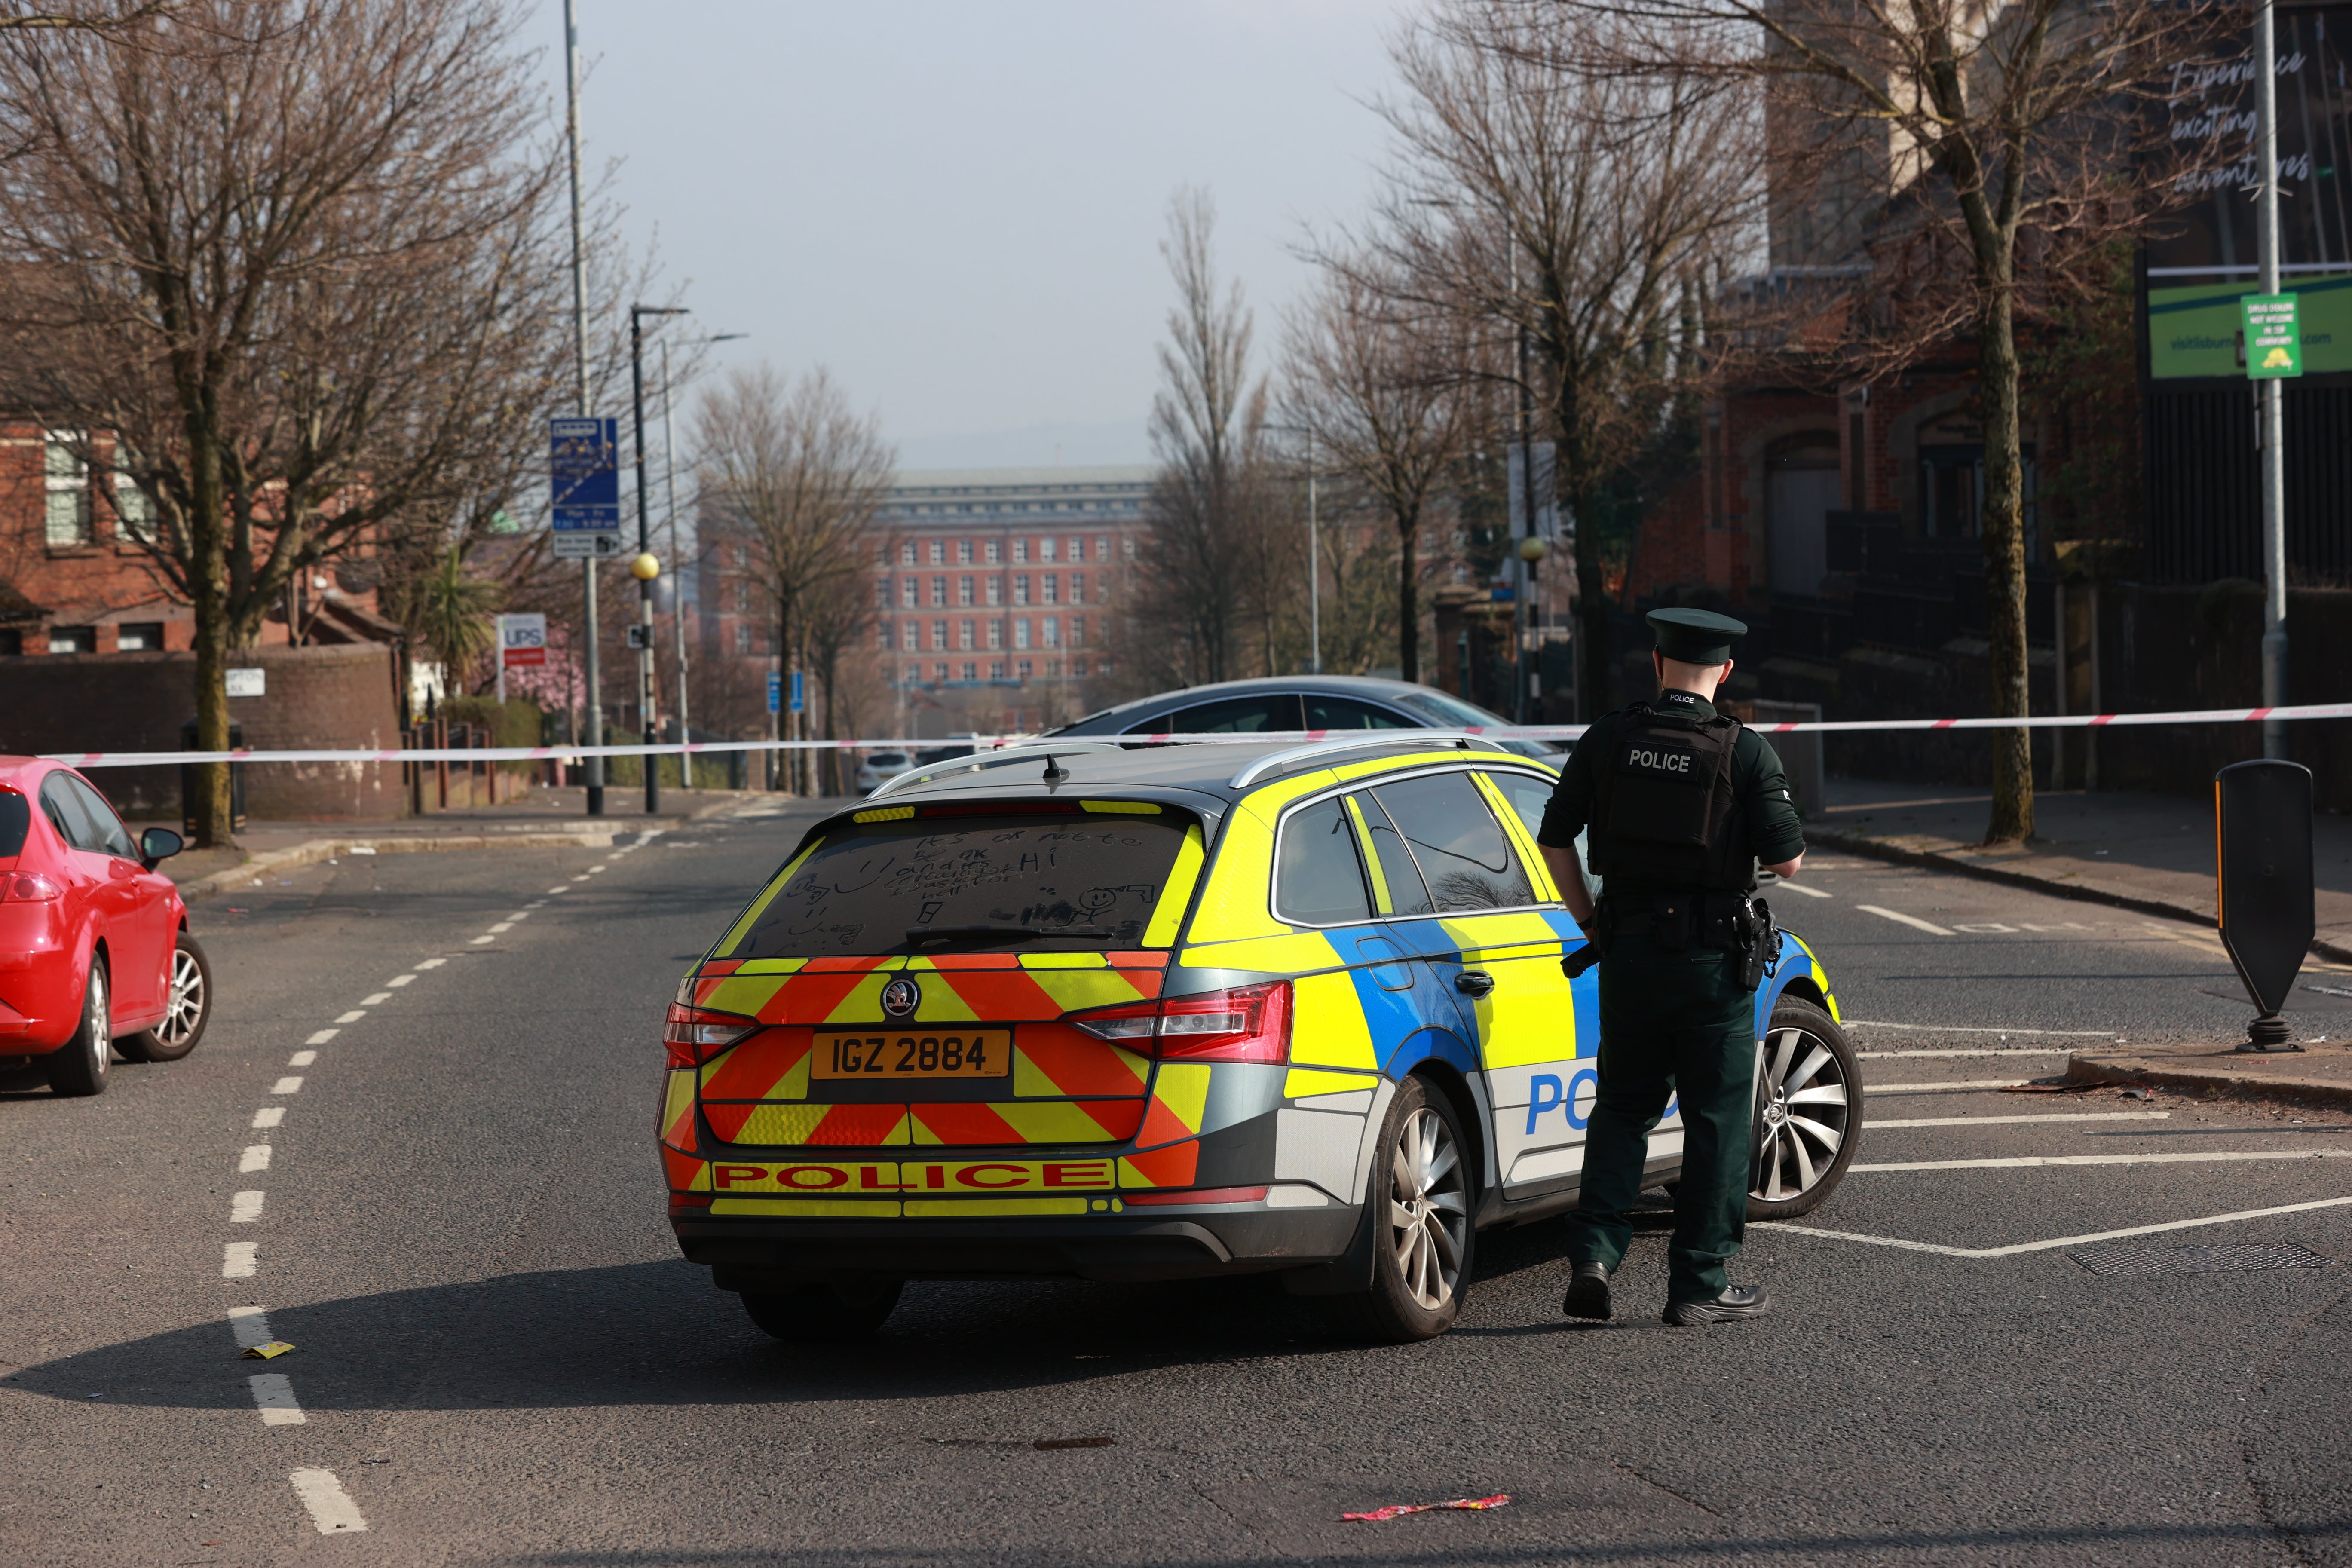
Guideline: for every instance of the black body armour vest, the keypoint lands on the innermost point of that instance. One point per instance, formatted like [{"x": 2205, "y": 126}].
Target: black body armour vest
[{"x": 1664, "y": 813}]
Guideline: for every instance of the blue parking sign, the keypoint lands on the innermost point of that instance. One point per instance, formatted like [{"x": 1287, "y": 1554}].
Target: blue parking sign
[
  {"x": 800, "y": 704},
  {"x": 583, "y": 474},
  {"x": 775, "y": 691}
]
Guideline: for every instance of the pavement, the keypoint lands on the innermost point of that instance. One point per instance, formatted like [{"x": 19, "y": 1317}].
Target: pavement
[{"x": 418, "y": 1142}]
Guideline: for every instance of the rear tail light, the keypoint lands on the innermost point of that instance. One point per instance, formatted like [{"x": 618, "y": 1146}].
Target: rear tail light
[
  {"x": 694, "y": 1035},
  {"x": 1244, "y": 1023},
  {"x": 29, "y": 888}
]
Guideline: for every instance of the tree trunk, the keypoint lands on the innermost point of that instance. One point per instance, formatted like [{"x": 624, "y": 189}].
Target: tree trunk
[
  {"x": 1407, "y": 600},
  {"x": 2004, "y": 557},
  {"x": 787, "y": 772},
  {"x": 207, "y": 594}
]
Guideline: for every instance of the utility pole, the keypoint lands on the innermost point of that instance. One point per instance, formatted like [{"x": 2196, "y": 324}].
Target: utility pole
[
  {"x": 1314, "y": 569},
  {"x": 645, "y": 568},
  {"x": 677, "y": 582},
  {"x": 593, "y": 695},
  {"x": 2273, "y": 396},
  {"x": 1528, "y": 501}
]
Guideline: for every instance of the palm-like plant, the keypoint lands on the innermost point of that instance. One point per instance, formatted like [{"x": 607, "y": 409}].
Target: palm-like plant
[{"x": 449, "y": 611}]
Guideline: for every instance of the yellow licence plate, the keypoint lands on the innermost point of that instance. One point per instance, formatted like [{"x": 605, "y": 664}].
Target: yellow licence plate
[{"x": 887, "y": 1054}]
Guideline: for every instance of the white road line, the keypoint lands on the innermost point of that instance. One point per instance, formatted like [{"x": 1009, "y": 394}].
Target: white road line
[
  {"x": 1876, "y": 1126},
  {"x": 521, "y": 914},
  {"x": 255, "y": 1157},
  {"x": 1974, "y": 1029},
  {"x": 399, "y": 980},
  {"x": 378, "y": 1000},
  {"x": 250, "y": 1325},
  {"x": 1940, "y": 1088},
  {"x": 431, "y": 963},
  {"x": 1983, "y": 1051},
  {"x": 331, "y": 1509},
  {"x": 2047, "y": 1246},
  {"x": 238, "y": 1260},
  {"x": 535, "y": 904},
  {"x": 594, "y": 870},
  {"x": 503, "y": 926},
  {"x": 302, "y": 1058},
  {"x": 244, "y": 1209},
  {"x": 322, "y": 1037},
  {"x": 1903, "y": 919},
  {"x": 268, "y": 1116},
  {"x": 274, "y": 1393},
  {"x": 481, "y": 940},
  {"x": 552, "y": 891},
  {"x": 353, "y": 1016},
  {"x": 290, "y": 1084},
  {"x": 2022, "y": 1162},
  {"x": 1799, "y": 888}
]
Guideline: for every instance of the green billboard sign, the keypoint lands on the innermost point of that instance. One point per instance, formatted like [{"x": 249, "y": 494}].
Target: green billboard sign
[{"x": 2204, "y": 330}]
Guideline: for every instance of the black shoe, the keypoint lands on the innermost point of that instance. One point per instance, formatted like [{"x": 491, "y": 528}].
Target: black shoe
[
  {"x": 1736, "y": 1304},
  {"x": 1587, "y": 1293}
]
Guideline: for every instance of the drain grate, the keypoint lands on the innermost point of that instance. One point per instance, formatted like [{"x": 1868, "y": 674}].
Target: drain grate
[{"x": 2134, "y": 1258}]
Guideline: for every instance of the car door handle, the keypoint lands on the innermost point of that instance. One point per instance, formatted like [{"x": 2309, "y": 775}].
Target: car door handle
[{"x": 1473, "y": 983}]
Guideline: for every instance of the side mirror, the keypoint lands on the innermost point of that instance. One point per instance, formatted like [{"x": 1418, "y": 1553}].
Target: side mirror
[{"x": 157, "y": 844}]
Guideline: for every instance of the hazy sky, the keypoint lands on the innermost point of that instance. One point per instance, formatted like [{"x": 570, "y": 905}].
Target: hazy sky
[{"x": 957, "y": 206}]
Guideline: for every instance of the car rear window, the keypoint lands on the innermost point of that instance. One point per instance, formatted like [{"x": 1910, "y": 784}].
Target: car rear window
[
  {"x": 16, "y": 817},
  {"x": 1082, "y": 881}
]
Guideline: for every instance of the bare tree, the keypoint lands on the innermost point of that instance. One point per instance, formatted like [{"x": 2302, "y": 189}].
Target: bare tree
[
  {"x": 1385, "y": 399},
  {"x": 1954, "y": 162},
  {"x": 1208, "y": 428},
  {"x": 805, "y": 475},
  {"x": 284, "y": 263},
  {"x": 1574, "y": 206}
]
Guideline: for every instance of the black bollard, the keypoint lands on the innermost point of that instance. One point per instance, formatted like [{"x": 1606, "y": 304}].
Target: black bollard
[{"x": 2261, "y": 830}]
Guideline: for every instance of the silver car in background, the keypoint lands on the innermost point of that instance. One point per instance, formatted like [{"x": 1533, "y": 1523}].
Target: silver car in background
[{"x": 1336, "y": 703}]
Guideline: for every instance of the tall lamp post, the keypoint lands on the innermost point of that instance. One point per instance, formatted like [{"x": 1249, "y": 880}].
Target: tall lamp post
[
  {"x": 1532, "y": 550},
  {"x": 594, "y": 694},
  {"x": 645, "y": 568},
  {"x": 676, "y": 551},
  {"x": 2270, "y": 394}
]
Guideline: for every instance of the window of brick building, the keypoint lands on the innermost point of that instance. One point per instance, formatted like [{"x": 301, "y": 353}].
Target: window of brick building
[
  {"x": 963, "y": 638},
  {"x": 1078, "y": 631},
  {"x": 742, "y": 639},
  {"x": 938, "y": 551},
  {"x": 1053, "y": 631},
  {"x": 939, "y": 591},
  {"x": 1020, "y": 632},
  {"x": 1052, "y": 586},
  {"x": 73, "y": 639},
  {"x": 1046, "y": 548},
  {"x": 996, "y": 590},
  {"x": 939, "y": 638},
  {"x": 68, "y": 478},
  {"x": 1020, "y": 550},
  {"x": 994, "y": 552},
  {"x": 996, "y": 669},
  {"x": 1025, "y": 668},
  {"x": 971, "y": 669},
  {"x": 134, "y": 512},
  {"x": 1102, "y": 547},
  {"x": 1021, "y": 587},
  {"x": 140, "y": 637},
  {"x": 963, "y": 592},
  {"x": 12, "y": 642},
  {"x": 964, "y": 552},
  {"x": 907, "y": 554},
  {"x": 1078, "y": 667},
  {"x": 996, "y": 634}
]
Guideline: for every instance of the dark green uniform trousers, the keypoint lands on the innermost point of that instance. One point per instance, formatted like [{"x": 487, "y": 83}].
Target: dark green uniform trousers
[{"x": 1671, "y": 1024}]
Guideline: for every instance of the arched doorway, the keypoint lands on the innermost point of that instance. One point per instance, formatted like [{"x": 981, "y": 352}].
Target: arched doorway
[{"x": 1801, "y": 486}]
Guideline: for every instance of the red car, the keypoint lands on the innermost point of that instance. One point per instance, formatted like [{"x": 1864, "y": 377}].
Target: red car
[{"x": 95, "y": 954}]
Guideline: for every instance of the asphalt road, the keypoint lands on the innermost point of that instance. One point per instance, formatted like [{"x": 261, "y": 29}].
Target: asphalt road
[{"x": 500, "y": 1358}]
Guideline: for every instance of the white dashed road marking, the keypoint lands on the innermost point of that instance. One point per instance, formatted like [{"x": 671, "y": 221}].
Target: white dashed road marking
[
  {"x": 2055, "y": 1116},
  {"x": 1940, "y": 1088},
  {"x": 268, "y": 1116},
  {"x": 250, "y": 1325},
  {"x": 2024, "y": 1161},
  {"x": 302, "y": 1058},
  {"x": 431, "y": 963},
  {"x": 1900, "y": 918},
  {"x": 378, "y": 1000},
  {"x": 353, "y": 1016},
  {"x": 255, "y": 1157},
  {"x": 400, "y": 980},
  {"x": 244, "y": 1209},
  {"x": 273, "y": 1392},
  {"x": 322, "y": 1037},
  {"x": 502, "y": 926},
  {"x": 331, "y": 1509},
  {"x": 479, "y": 939},
  {"x": 290, "y": 1084},
  {"x": 1801, "y": 887},
  {"x": 552, "y": 891},
  {"x": 238, "y": 1260},
  {"x": 1976, "y": 1029},
  {"x": 2047, "y": 1246},
  {"x": 1984, "y": 1051}
]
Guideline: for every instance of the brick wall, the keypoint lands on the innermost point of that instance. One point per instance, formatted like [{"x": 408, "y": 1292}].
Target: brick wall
[{"x": 334, "y": 697}]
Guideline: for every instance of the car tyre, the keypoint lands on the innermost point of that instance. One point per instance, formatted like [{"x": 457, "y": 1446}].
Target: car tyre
[
  {"x": 810, "y": 1314},
  {"x": 1423, "y": 1235},
  {"x": 190, "y": 1009},
  {"x": 79, "y": 1068},
  {"x": 1808, "y": 1111}
]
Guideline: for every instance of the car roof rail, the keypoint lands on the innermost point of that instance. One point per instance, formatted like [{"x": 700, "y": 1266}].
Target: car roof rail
[
  {"x": 979, "y": 759},
  {"x": 1434, "y": 740}
]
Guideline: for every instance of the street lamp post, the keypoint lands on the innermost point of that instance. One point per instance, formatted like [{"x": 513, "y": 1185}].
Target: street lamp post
[
  {"x": 645, "y": 568},
  {"x": 1532, "y": 550},
  {"x": 677, "y": 549},
  {"x": 592, "y": 696}
]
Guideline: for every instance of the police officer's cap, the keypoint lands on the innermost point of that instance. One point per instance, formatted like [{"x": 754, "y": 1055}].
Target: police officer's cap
[{"x": 1696, "y": 637}]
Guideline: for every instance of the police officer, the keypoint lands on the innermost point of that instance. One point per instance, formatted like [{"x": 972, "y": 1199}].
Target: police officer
[{"x": 1679, "y": 803}]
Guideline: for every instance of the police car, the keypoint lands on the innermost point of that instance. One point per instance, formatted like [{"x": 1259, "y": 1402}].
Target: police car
[{"x": 1078, "y": 1011}]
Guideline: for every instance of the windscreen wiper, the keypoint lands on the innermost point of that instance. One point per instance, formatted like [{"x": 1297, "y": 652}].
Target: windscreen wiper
[{"x": 984, "y": 933}]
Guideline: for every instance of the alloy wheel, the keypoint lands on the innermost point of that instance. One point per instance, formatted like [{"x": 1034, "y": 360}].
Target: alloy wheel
[
  {"x": 98, "y": 1024},
  {"x": 1807, "y": 1111},
  {"x": 1428, "y": 1213},
  {"x": 187, "y": 1005}
]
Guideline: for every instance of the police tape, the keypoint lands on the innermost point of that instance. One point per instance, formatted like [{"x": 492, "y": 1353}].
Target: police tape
[{"x": 1245, "y": 738}]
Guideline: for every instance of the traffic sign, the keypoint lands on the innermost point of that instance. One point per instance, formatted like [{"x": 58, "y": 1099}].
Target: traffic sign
[
  {"x": 775, "y": 691},
  {"x": 2273, "y": 336},
  {"x": 522, "y": 640},
  {"x": 800, "y": 702},
  {"x": 584, "y": 477}
]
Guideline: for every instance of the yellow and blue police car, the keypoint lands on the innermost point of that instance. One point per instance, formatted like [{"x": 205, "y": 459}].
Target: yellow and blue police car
[{"x": 1100, "y": 1013}]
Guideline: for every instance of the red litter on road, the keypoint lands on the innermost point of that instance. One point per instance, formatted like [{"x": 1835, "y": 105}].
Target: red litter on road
[{"x": 1396, "y": 1509}]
